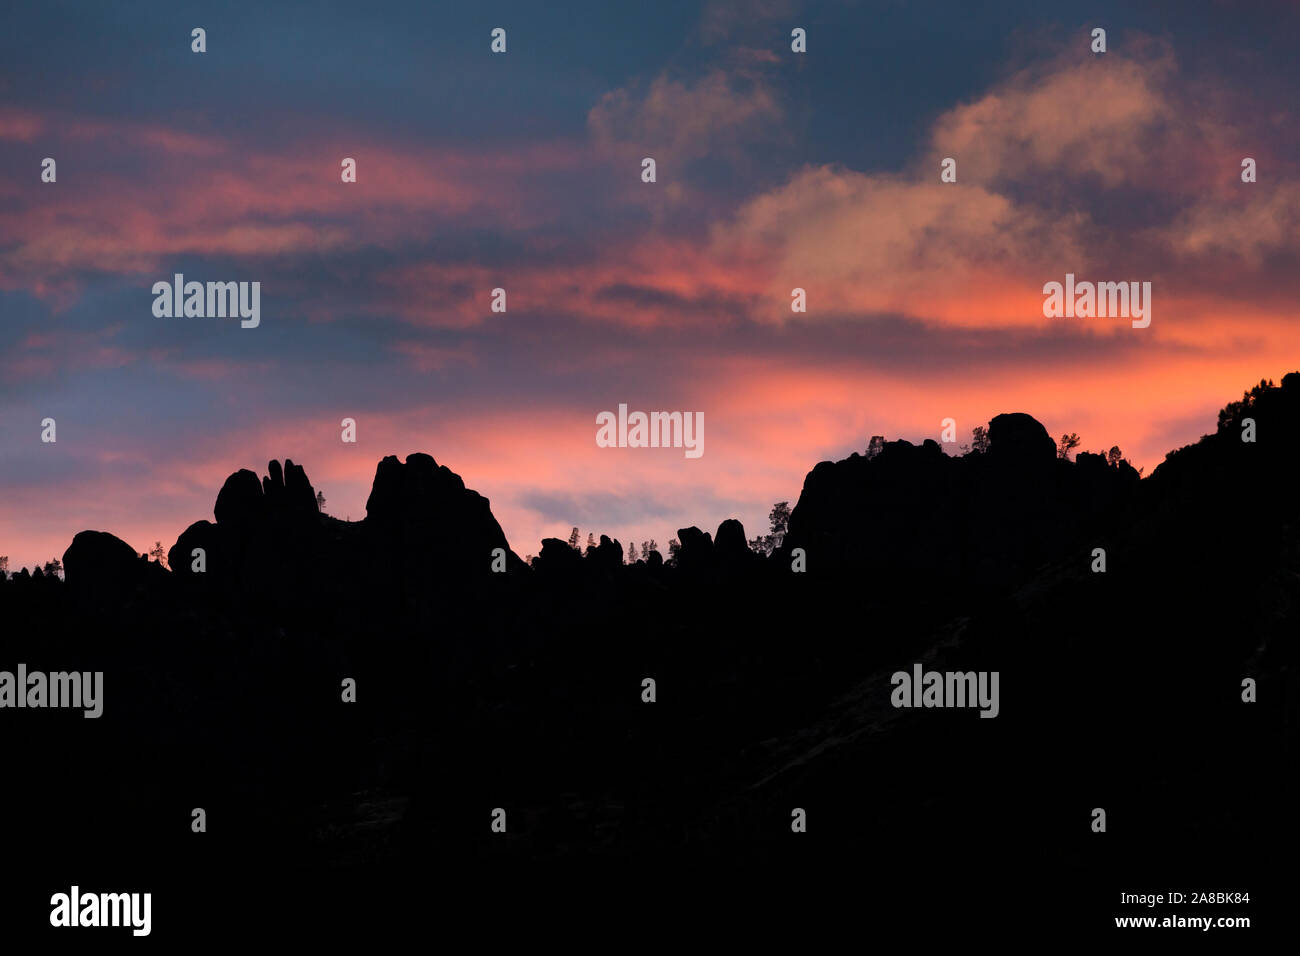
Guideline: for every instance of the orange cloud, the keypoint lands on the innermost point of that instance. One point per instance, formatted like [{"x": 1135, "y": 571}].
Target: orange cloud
[
  {"x": 1073, "y": 116},
  {"x": 867, "y": 243}
]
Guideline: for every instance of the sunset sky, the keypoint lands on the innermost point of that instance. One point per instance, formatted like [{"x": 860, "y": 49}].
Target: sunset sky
[{"x": 523, "y": 170}]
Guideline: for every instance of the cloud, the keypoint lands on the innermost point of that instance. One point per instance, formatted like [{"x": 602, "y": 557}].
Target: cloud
[
  {"x": 876, "y": 243},
  {"x": 1073, "y": 116},
  {"x": 678, "y": 121},
  {"x": 1261, "y": 221},
  {"x": 181, "y": 195},
  {"x": 1111, "y": 166}
]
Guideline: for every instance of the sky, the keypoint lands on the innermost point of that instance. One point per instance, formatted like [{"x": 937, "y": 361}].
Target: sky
[{"x": 522, "y": 170}]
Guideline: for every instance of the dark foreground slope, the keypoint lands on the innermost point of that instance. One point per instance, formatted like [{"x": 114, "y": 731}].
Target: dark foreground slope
[{"x": 522, "y": 690}]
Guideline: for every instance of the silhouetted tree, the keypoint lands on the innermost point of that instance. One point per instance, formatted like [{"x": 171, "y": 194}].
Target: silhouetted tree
[
  {"x": 631, "y": 552},
  {"x": 4, "y": 564},
  {"x": 673, "y": 547},
  {"x": 320, "y": 501},
  {"x": 159, "y": 553},
  {"x": 979, "y": 439},
  {"x": 1233, "y": 412},
  {"x": 1114, "y": 456},
  {"x": 53, "y": 567},
  {"x": 875, "y": 446},
  {"x": 591, "y": 539},
  {"x": 573, "y": 539},
  {"x": 1068, "y": 443},
  {"x": 779, "y": 516},
  {"x": 654, "y": 546},
  {"x": 780, "y": 521},
  {"x": 645, "y": 550}
]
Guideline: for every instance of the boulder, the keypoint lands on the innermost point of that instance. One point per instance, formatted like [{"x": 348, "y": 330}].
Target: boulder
[
  {"x": 101, "y": 559},
  {"x": 241, "y": 500},
  {"x": 1019, "y": 437}
]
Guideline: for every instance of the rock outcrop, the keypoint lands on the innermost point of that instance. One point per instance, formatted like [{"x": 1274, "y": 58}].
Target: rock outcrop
[
  {"x": 913, "y": 511},
  {"x": 102, "y": 560}
]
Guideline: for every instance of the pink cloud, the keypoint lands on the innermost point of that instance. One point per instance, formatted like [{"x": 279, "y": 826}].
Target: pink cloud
[{"x": 252, "y": 203}]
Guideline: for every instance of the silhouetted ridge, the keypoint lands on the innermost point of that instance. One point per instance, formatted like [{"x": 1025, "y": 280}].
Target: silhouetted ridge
[
  {"x": 979, "y": 518},
  {"x": 982, "y": 519},
  {"x": 422, "y": 528},
  {"x": 1272, "y": 456}
]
